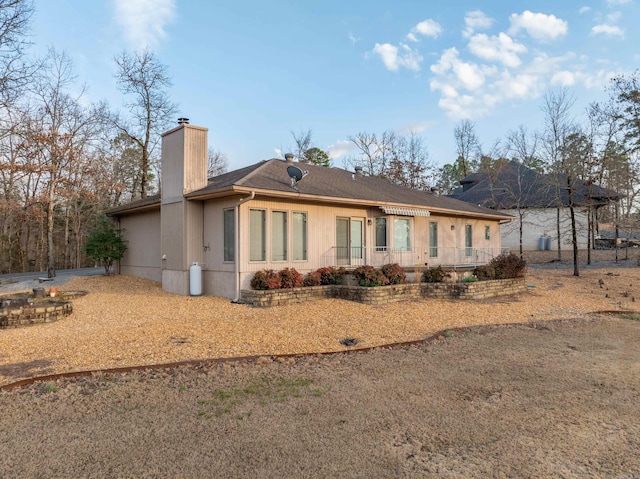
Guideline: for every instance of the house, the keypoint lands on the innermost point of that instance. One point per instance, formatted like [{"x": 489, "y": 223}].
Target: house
[
  {"x": 538, "y": 202},
  {"x": 259, "y": 217}
]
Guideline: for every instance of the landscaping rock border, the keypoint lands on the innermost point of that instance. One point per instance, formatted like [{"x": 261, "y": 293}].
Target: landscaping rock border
[{"x": 386, "y": 294}]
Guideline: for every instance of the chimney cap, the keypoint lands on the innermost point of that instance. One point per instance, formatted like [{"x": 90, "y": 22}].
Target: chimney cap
[
  {"x": 288, "y": 157},
  {"x": 358, "y": 170},
  {"x": 183, "y": 121}
]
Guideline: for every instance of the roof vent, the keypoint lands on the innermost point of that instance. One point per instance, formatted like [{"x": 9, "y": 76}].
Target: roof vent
[
  {"x": 359, "y": 170},
  {"x": 289, "y": 157},
  {"x": 435, "y": 190},
  {"x": 183, "y": 121}
]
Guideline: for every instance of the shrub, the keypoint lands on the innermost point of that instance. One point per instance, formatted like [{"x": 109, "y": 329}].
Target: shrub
[
  {"x": 508, "y": 266},
  {"x": 485, "y": 273},
  {"x": 105, "y": 243},
  {"x": 394, "y": 273},
  {"x": 290, "y": 278},
  {"x": 470, "y": 279},
  {"x": 266, "y": 279},
  {"x": 434, "y": 275},
  {"x": 369, "y": 276},
  {"x": 312, "y": 279},
  {"x": 330, "y": 275}
]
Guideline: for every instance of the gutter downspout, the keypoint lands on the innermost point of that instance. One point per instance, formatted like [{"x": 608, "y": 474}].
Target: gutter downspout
[{"x": 236, "y": 299}]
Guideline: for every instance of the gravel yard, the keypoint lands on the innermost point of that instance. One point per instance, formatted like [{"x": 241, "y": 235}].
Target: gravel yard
[
  {"x": 127, "y": 321},
  {"x": 555, "y": 396}
]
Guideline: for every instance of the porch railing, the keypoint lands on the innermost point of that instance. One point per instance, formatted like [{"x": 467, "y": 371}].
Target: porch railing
[{"x": 417, "y": 256}]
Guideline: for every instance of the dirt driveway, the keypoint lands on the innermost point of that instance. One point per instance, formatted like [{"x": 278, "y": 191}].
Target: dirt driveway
[{"x": 543, "y": 400}]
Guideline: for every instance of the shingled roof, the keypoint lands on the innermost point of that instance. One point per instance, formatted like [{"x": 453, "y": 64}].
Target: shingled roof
[
  {"x": 330, "y": 185},
  {"x": 333, "y": 185},
  {"x": 514, "y": 186}
]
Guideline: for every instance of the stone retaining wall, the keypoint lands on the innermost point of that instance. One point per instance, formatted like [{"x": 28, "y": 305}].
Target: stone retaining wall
[
  {"x": 386, "y": 294},
  {"x": 34, "y": 314}
]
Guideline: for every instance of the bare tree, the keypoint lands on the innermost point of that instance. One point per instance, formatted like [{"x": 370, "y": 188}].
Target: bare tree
[
  {"x": 59, "y": 131},
  {"x": 559, "y": 125},
  {"x": 216, "y": 163},
  {"x": 467, "y": 146},
  {"x": 303, "y": 141},
  {"x": 145, "y": 80},
  {"x": 523, "y": 146},
  {"x": 15, "y": 72},
  {"x": 411, "y": 165}
]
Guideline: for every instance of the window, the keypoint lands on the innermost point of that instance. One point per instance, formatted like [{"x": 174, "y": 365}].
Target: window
[
  {"x": 468, "y": 240},
  {"x": 299, "y": 236},
  {"x": 279, "y": 236},
  {"x": 401, "y": 236},
  {"x": 487, "y": 232},
  {"x": 229, "y": 240},
  {"x": 257, "y": 243},
  {"x": 381, "y": 234},
  {"x": 433, "y": 239}
]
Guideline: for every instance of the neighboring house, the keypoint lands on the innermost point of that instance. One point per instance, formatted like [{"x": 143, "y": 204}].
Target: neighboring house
[
  {"x": 537, "y": 201},
  {"x": 257, "y": 218}
]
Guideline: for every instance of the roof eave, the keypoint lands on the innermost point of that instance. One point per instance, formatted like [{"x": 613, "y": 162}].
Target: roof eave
[{"x": 235, "y": 190}]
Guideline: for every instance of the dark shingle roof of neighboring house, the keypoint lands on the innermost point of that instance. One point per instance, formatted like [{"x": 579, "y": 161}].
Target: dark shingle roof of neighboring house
[
  {"x": 333, "y": 185},
  {"x": 330, "y": 185},
  {"x": 514, "y": 186}
]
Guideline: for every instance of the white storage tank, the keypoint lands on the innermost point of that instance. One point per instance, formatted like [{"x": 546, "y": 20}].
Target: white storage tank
[{"x": 195, "y": 280}]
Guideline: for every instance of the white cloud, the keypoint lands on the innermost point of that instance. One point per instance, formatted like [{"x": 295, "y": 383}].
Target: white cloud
[
  {"x": 583, "y": 10},
  {"x": 499, "y": 48},
  {"x": 340, "y": 148},
  {"x": 427, "y": 28},
  {"x": 613, "y": 17},
  {"x": 419, "y": 127},
  {"x": 469, "y": 76},
  {"x": 476, "y": 20},
  {"x": 394, "y": 58},
  {"x": 564, "y": 79},
  {"x": 353, "y": 39},
  {"x": 611, "y": 30},
  {"x": 144, "y": 21},
  {"x": 539, "y": 26},
  {"x": 278, "y": 152}
]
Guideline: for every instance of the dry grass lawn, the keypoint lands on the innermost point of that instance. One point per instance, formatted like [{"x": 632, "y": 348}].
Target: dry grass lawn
[
  {"x": 127, "y": 321},
  {"x": 555, "y": 396}
]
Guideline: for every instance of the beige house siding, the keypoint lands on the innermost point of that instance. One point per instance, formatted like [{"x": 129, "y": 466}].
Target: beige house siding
[
  {"x": 143, "y": 256},
  {"x": 543, "y": 221},
  {"x": 321, "y": 240}
]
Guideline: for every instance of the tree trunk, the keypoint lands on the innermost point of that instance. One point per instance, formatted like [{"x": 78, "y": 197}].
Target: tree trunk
[
  {"x": 51, "y": 266},
  {"x": 589, "y": 235},
  {"x": 558, "y": 233}
]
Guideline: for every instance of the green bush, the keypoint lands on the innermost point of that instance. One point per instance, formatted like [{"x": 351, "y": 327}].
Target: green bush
[
  {"x": 434, "y": 275},
  {"x": 394, "y": 273},
  {"x": 508, "y": 266},
  {"x": 470, "y": 279},
  {"x": 105, "y": 243},
  {"x": 369, "y": 276},
  {"x": 266, "y": 279},
  {"x": 290, "y": 278},
  {"x": 330, "y": 275}
]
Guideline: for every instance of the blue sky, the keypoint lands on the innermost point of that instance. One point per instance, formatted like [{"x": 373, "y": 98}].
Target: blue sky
[{"x": 253, "y": 71}]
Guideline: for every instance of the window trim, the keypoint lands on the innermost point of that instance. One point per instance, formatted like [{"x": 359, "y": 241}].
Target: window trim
[
  {"x": 285, "y": 232},
  {"x": 305, "y": 245},
  {"x": 381, "y": 248},
  {"x": 224, "y": 236},
  {"x": 264, "y": 236}
]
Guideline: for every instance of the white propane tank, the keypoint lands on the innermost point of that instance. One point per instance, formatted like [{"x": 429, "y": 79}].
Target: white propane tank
[{"x": 195, "y": 280}]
